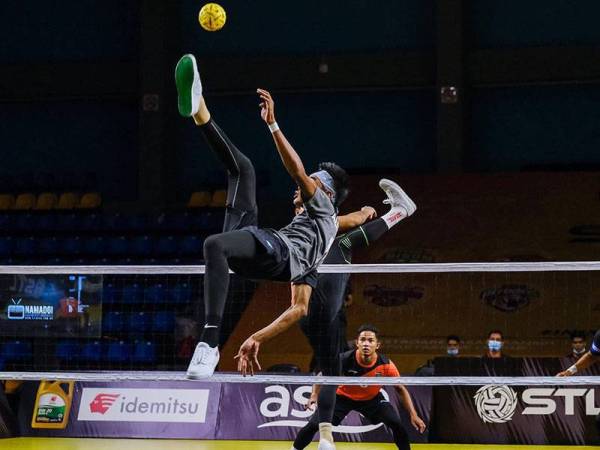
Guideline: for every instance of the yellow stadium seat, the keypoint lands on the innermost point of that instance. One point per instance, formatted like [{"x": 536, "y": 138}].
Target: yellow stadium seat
[
  {"x": 90, "y": 200},
  {"x": 68, "y": 200},
  {"x": 7, "y": 201},
  {"x": 46, "y": 201},
  {"x": 219, "y": 199},
  {"x": 199, "y": 199},
  {"x": 24, "y": 202}
]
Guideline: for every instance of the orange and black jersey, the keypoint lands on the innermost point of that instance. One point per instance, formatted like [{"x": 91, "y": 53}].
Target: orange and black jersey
[{"x": 382, "y": 367}]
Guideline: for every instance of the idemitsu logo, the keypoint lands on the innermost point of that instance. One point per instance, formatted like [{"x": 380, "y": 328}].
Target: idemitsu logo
[
  {"x": 102, "y": 402},
  {"x": 279, "y": 405},
  {"x": 143, "y": 405}
]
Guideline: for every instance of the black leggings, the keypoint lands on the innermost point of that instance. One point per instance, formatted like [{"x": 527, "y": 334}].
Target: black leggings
[
  {"x": 376, "y": 411},
  {"x": 241, "y": 211}
]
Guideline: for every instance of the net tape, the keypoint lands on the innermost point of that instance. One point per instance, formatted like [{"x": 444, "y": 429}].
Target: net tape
[
  {"x": 558, "y": 266},
  {"x": 299, "y": 379}
]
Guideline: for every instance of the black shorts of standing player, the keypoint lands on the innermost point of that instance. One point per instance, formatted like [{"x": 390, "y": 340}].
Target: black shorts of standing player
[{"x": 376, "y": 410}]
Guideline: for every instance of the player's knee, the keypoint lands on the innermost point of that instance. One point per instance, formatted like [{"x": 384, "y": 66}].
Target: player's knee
[{"x": 212, "y": 246}]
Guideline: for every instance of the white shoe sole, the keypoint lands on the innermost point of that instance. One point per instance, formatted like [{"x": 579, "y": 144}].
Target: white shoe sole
[{"x": 406, "y": 201}]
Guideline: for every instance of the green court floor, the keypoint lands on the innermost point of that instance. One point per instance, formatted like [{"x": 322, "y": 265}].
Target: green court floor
[{"x": 156, "y": 444}]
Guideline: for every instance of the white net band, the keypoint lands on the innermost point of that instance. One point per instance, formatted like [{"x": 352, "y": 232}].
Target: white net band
[
  {"x": 304, "y": 380},
  {"x": 559, "y": 266}
]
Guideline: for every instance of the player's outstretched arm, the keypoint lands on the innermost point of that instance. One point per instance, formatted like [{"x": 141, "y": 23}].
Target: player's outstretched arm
[
  {"x": 350, "y": 221},
  {"x": 407, "y": 403},
  {"x": 289, "y": 157},
  {"x": 248, "y": 353},
  {"x": 582, "y": 363}
]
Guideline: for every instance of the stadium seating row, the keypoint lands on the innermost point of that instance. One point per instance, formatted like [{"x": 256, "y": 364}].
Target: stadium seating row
[
  {"x": 138, "y": 322},
  {"x": 57, "y": 222},
  {"x": 140, "y": 351},
  {"x": 154, "y": 293},
  {"x": 65, "y": 201},
  {"x": 93, "y": 247}
]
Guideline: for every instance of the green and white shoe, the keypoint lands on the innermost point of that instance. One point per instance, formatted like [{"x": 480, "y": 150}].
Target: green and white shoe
[{"x": 189, "y": 86}]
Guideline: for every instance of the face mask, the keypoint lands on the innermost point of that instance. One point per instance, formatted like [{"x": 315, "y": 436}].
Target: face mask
[
  {"x": 494, "y": 346},
  {"x": 452, "y": 351},
  {"x": 579, "y": 352}
]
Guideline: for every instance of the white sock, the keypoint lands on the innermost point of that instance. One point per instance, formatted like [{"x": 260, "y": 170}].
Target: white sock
[
  {"x": 393, "y": 216},
  {"x": 326, "y": 431}
]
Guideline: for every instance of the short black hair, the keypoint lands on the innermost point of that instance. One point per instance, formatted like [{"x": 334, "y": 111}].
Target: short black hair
[
  {"x": 453, "y": 337},
  {"x": 496, "y": 332},
  {"x": 578, "y": 334},
  {"x": 341, "y": 181},
  {"x": 368, "y": 327}
]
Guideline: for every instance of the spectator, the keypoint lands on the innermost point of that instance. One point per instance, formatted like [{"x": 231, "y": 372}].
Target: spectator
[
  {"x": 495, "y": 342},
  {"x": 577, "y": 345},
  {"x": 453, "y": 345}
]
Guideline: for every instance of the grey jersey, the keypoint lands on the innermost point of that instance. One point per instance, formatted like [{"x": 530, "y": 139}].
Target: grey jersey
[{"x": 310, "y": 234}]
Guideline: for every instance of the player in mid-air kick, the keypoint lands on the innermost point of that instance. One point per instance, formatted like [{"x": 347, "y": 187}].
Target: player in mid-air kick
[{"x": 291, "y": 254}]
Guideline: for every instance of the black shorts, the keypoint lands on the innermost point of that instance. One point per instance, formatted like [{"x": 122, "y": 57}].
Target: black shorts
[
  {"x": 371, "y": 409},
  {"x": 272, "y": 261}
]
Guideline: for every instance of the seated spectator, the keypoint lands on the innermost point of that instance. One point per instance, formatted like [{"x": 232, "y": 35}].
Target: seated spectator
[
  {"x": 495, "y": 342},
  {"x": 577, "y": 345},
  {"x": 453, "y": 345}
]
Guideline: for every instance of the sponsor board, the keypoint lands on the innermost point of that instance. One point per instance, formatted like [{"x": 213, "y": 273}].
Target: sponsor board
[
  {"x": 143, "y": 405},
  {"x": 497, "y": 404}
]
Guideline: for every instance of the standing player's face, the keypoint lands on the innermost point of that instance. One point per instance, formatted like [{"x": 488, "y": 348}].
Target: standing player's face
[{"x": 367, "y": 343}]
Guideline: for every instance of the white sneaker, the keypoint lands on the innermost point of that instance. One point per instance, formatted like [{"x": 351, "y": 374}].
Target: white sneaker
[
  {"x": 203, "y": 362},
  {"x": 325, "y": 445},
  {"x": 189, "y": 86},
  {"x": 397, "y": 198}
]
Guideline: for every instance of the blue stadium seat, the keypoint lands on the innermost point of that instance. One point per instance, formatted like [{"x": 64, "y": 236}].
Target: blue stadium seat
[
  {"x": 139, "y": 322},
  {"x": 46, "y": 222},
  {"x": 132, "y": 293},
  {"x": 180, "y": 293},
  {"x": 25, "y": 246},
  {"x": 118, "y": 351},
  {"x": 163, "y": 322},
  {"x": 94, "y": 246},
  {"x": 175, "y": 222},
  {"x": 117, "y": 246},
  {"x": 92, "y": 351},
  {"x": 89, "y": 222},
  {"x": 67, "y": 350},
  {"x": 166, "y": 246},
  {"x": 6, "y": 247},
  {"x": 70, "y": 246},
  {"x": 68, "y": 222},
  {"x": 141, "y": 246},
  {"x": 136, "y": 223},
  {"x": 155, "y": 293},
  {"x": 48, "y": 246},
  {"x": 16, "y": 351},
  {"x": 114, "y": 222},
  {"x": 24, "y": 221},
  {"x": 113, "y": 322},
  {"x": 191, "y": 246},
  {"x": 110, "y": 293},
  {"x": 144, "y": 352}
]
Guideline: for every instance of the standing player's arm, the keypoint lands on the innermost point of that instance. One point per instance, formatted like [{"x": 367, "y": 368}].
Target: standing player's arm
[
  {"x": 289, "y": 157},
  {"x": 408, "y": 405},
  {"x": 248, "y": 352},
  {"x": 349, "y": 221},
  {"x": 582, "y": 363}
]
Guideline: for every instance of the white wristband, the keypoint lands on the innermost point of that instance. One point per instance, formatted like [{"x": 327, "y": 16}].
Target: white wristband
[
  {"x": 273, "y": 127},
  {"x": 572, "y": 370}
]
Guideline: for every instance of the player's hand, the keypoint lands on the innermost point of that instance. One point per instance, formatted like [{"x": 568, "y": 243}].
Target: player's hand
[
  {"x": 267, "y": 106},
  {"x": 418, "y": 423},
  {"x": 369, "y": 212},
  {"x": 247, "y": 356},
  {"x": 564, "y": 373},
  {"x": 311, "y": 405}
]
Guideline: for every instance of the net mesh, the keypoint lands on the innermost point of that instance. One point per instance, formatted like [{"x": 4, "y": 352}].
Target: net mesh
[{"x": 140, "y": 321}]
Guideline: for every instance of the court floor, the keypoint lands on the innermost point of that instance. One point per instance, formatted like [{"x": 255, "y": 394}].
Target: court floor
[{"x": 156, "y": 444}]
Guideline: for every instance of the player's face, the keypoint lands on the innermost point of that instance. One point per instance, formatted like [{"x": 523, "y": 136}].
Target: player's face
[{"x": 367, "y": 343}]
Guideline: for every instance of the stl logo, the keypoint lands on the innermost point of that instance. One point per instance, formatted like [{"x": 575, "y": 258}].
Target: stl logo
[{"x": 103, "y": 402}]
